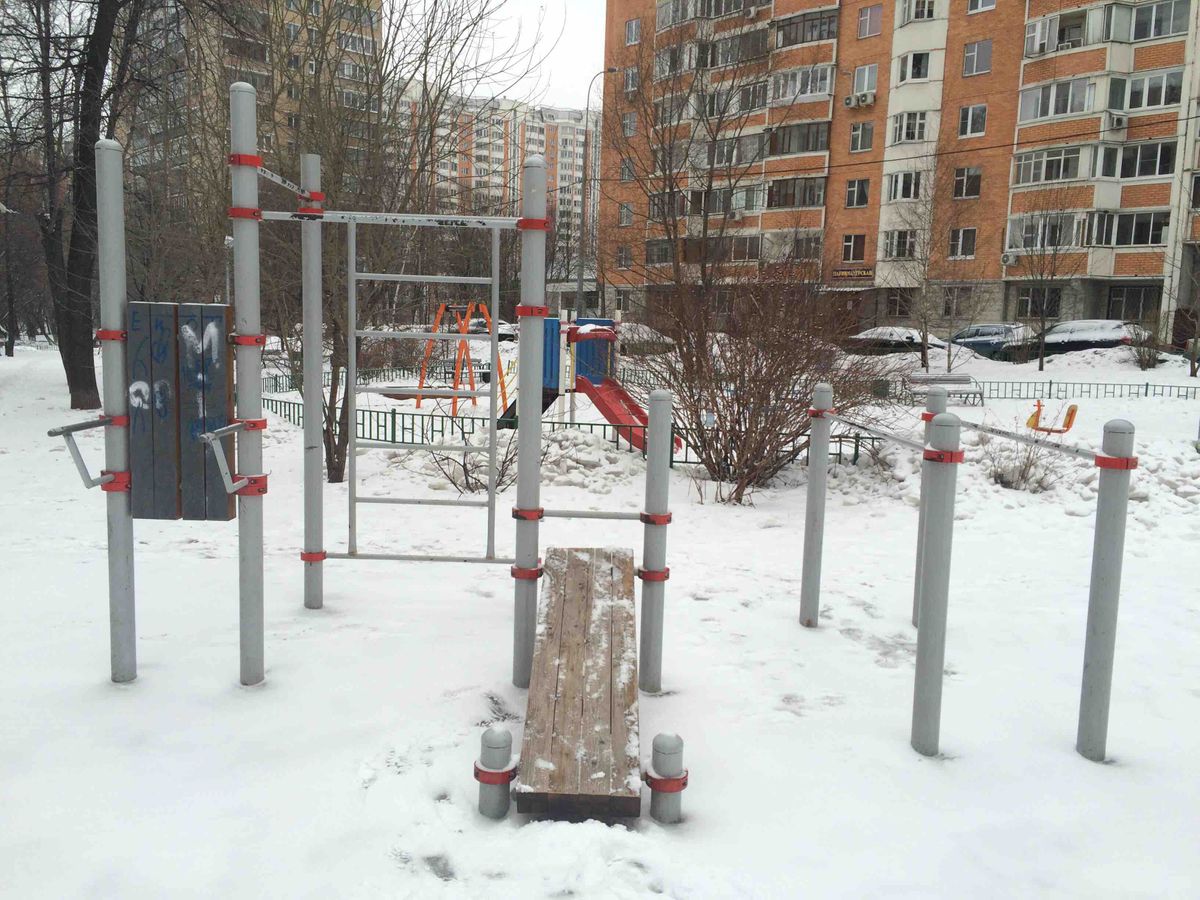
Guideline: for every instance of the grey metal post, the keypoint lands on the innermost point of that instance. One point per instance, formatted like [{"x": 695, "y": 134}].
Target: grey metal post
[
  {"x": 935, "y": 403},
  {"x": 352, "y": 386},
  {"x": 494, "y": 396},
  {"x": 314, "y": 360},
  {"x": 814, "y": 508},
  {"x": 1108, "y": 549},
  {"x": 495, "y": 755},
  {"x": 939, "y": 472},
  {"x": 654, "y": 571},
  {"x": 244, "y": 140},
  {"x": 110, "y": 223},
  {"x": 667, "y": 762},
  {"x": 529, "y": 416}
]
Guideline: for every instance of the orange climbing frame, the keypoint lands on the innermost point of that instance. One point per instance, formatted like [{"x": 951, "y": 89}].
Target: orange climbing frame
[{"x": 462, "y": 356}]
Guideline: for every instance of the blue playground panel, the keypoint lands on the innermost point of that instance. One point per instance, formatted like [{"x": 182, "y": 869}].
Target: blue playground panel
[
  {"x": 596, "y": 360},
  {"x": 550, "y": 355}
]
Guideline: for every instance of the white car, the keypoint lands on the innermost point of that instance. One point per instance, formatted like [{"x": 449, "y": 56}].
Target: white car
[{"x": 506, "y": 331}]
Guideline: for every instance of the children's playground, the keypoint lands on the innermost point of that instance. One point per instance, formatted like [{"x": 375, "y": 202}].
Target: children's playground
[{"x": 890, "y": 674}]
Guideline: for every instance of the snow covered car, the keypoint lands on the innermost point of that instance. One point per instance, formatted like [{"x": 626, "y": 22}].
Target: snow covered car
[
  {"x": 1090, "y": 334},
  {"x": 889, "y": 339},
  {"x": 507, "y": 331},
  {"x": 993, "y": 339}
]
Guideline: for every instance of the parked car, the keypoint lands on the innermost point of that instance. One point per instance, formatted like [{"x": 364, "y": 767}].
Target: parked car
[
  {"x": 1089, "y": 334},
  {"x": 889, "y": 339},
  {"x": 506, "y": 330},
  {"x": 993, "y": 339}
]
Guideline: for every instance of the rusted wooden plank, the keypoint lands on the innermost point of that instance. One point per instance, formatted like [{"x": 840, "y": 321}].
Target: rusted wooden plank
[
  {"x": 566, "y": 745},
  {"x": 597, "y": 759},
  {"x": 627, "y": 770}
]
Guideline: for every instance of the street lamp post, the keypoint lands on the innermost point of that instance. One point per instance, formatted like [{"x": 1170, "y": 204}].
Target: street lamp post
[{"x": 583, "y": 204}]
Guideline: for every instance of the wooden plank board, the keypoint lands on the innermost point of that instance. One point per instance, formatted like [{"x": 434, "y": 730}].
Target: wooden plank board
[
  {"x": 206, "y": 404},
  {"x": 192, "y": 451},
  {"x": 579, "y": 754},
  {"x": 140, "y": 377},
  {"x": 154, "y": 411}
]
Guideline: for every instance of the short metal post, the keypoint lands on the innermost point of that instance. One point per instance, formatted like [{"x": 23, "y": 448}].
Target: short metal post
[
  {"x": 531, "y": 315},
  {"x": 939, "y": 471},
  {"x": 666, "y": 806},
  {"x": 110, "y": 226},
  {"x": 654, "y": 572},
  {"x": 248, "y": 374},
  {"x": 935, "y": 403},
  {"x": 313, "y": 556},
  {"x": 814, "y": 510},
  {"x": 494, "y": 772},
  {"x": 1108, "y": 550}
]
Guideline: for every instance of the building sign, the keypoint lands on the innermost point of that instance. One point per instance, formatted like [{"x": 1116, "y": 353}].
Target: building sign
[{"x": 854, "y": 272}]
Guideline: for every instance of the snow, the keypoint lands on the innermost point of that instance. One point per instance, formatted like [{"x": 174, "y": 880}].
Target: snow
[{"x": 348, "y": 773}]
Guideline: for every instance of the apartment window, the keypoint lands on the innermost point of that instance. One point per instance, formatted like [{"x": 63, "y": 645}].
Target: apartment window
[
  {"x": 856, "y": 192},
  {"x": 908, "y": 127},
  {"x": 1154, "y": 20},
  {"x": 862, "y": 136},
  {"x": 672, "y": 60},
  {"x": 627, "y": 170},
  {"x": 805, "y": 137},
  {"x": 293, "y": 120},
  {"x": 796, "y": 192},
  {"x": 672, "y": 12},
  {"x": 625, "y": 214},
  {"x": 624, "y": 257},
  {"x": 1042, "y": 231},
  {"x": 1150, "y": 91},
  {"x": 807, "y": 245},
  {"x": 1196, "y": 192},
  {"x": 1058, "y": 99},
  {"x": 629, "y": 124},
  {"x": 977, "y": 57},
  {"x": 293, "y": 61},
  {"x": 670, "y": 110},
  {"x": 899, "y": 303},
  {"x": 904, "y": 186},
  {"x": 956, "y": 302},
  {"x": 972, "y": 120},
  {"x": 962, "y": 243},
  {"x": 633, "y": 32},
  {"x": 1140, "y": 229},
  {"x": 1039, "y": 302},
  {"x": 1060, "y": 164},
  {"x": 913, "y": 67},
  {"x": 1142, "y": 160},
  {"x": 870, "y": 21},
  {"x": 631, "y": 80},
  {"x": 819, "y": 26},
  {"x": 787, "y": 87},
  {"x": 900, "y": 243},
  {"x": 745, "y": 249},
  {"x": 1134, "y": 302},
  {"x": 967, "y": 182},
  {"x": 734, "y": 151},
  {"x": 974, "y": 6},
  {"x": 916, "y": 11},
  {"x": 854, "y": 247},
  {"x": 866, "y": 78},
  {"x": 667, "y": 206},
  {"x": 734, "y": 49}
]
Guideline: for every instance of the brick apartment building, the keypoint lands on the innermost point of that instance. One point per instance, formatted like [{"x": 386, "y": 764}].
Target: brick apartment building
[{"x": 1012, "y": 158}]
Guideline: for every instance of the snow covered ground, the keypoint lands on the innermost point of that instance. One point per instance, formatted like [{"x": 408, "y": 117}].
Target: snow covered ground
[{"x": 348, "y": 773}]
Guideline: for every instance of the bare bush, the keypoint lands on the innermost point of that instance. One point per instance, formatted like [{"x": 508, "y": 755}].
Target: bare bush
[{"x": 1020, "y": 467}]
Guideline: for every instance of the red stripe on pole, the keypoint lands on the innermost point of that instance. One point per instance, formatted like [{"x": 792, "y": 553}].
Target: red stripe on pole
[
  {"x": 533, "y": 224},
  {"x": 317, "y": 556},
  {"x": 493, "y": 776},
  {"x": 526, "y": 574},
  {"x": 666, "y": 785},
  {"x": 927, "y": 416},
  {"x": 945, "y": 456},
  {"x": 110, "y": 334},
  {"x": 819, "y": 413},
  {"x": 540, "y": 311},
  {"x": 256, "y": 486},
  {"x": 245, "y": 159},
  {"x": 314, "y": 196},
  {"x": 654, "y": 575},
  {"x": 244, "y": 212},
  {"x": 1121, "y": 463},
  {"x": 119, "y": 484},
  {"x": 118, "y": 421},
  {"x": 529, "y": 515},
  {"x": 248, "y": 340},
  {"x": 252, "y": 424},
  {"x": 655, "y": 518}
]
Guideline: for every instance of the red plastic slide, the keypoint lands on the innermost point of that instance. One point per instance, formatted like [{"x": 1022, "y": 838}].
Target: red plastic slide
[{"x": 619, "y": 408}]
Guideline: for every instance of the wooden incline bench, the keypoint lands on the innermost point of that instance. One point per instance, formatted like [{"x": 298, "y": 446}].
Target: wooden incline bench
[{"x": 580, "y": 754}]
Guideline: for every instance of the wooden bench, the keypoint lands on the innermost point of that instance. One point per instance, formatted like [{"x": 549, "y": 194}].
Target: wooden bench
[
  {"x": 580, "y": 754},
  {"x": 963, "y": 387}
]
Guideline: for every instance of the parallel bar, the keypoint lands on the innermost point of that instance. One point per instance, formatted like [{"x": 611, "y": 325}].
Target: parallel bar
[
  {"x": 423, "y": 279},
  {"x": 879, "y": 433},
  {"x": 432, "y": 448},
  {"x": 411, "y": 501},
  {"x": 591, "y": 514},
  {"x": 1045, "y": 444},
  {"x": 79, "y": 426},
  {"x": 312, "y": 338},
  {"x": 422, "y": 335},
  {"x": 377, "y": 218},
  {"x": 352, "y": 379},
  {"x": 414, "y": 389},
  {"x": 419, "y": 557}
]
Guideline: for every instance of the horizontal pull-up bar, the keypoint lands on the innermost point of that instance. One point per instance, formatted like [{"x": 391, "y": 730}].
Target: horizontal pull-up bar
[
  {"x": 430, "y": 393},
  {"x": 412, "y": 501},
  {"x": 500, "y": 223},
  {"x": 419, "y": 557},
  {"x": 422, "y": 336},
  {"x": 591, "y": 514},
  {"x": 876, "y": 432},
  {"x": 421, "y": 279},
  {"x": 1065, "y": 449},
  {"x": 428, "y": 448}
]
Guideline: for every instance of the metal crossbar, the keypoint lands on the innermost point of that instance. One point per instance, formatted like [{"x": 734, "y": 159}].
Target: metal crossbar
[
  {"x": 416, "y": 501},
  {"x": 437, "y": 393},
  {"x": 496, "y": 223},
  {"x": 422, "y": 335},
  {"x": 1065, "y": 449},
  {"x": 421, "y": 557},
  {"x": 877, "y": 432},
  {"x": 423, "y": 279},
  {"x": 590, "y": 514}
]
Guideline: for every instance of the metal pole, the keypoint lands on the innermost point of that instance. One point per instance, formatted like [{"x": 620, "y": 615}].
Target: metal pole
[
  {"x": 110, "y": 225},
  {"x": 494, "y": 397},
  {"x": 495, "y": 756},
  {"x": 1108, "y": 549},
  {"x": 654, "y": 571},
  {"x": 352, "y": 383},
  {"x": 814, "y": 509},
  {"x": 531, "y": 314},
  {"x": 940, "y": 471},
  {"x": 244, "y": 140},
  {"x": 666, "y": 760},
  {"x": 935, "y": 403},
  {"x": 314, "y": 362}
]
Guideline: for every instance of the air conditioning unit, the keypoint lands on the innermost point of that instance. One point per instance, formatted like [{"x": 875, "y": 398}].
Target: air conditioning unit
[
  {"x": 751, "y": 12},
  {"x": 1067, "y": 45},
  {"x": 866, "y": 98},
  {"x": 736, "y": 215},
  {"x": 1007, "y": 259},
  {"x": 1116, "y": 121},
  {"x": 851, "y": 101}
]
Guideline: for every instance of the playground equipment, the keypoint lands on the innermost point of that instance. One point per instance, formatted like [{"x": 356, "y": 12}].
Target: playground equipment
[
  {"x": 1035, "y": 421},
  {"x": 462, "y": 356},
  {"x": 940, "y": 454}
]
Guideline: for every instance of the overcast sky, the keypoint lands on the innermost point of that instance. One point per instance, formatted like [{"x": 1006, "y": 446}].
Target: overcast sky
[{"x": 572, "y": 33}]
